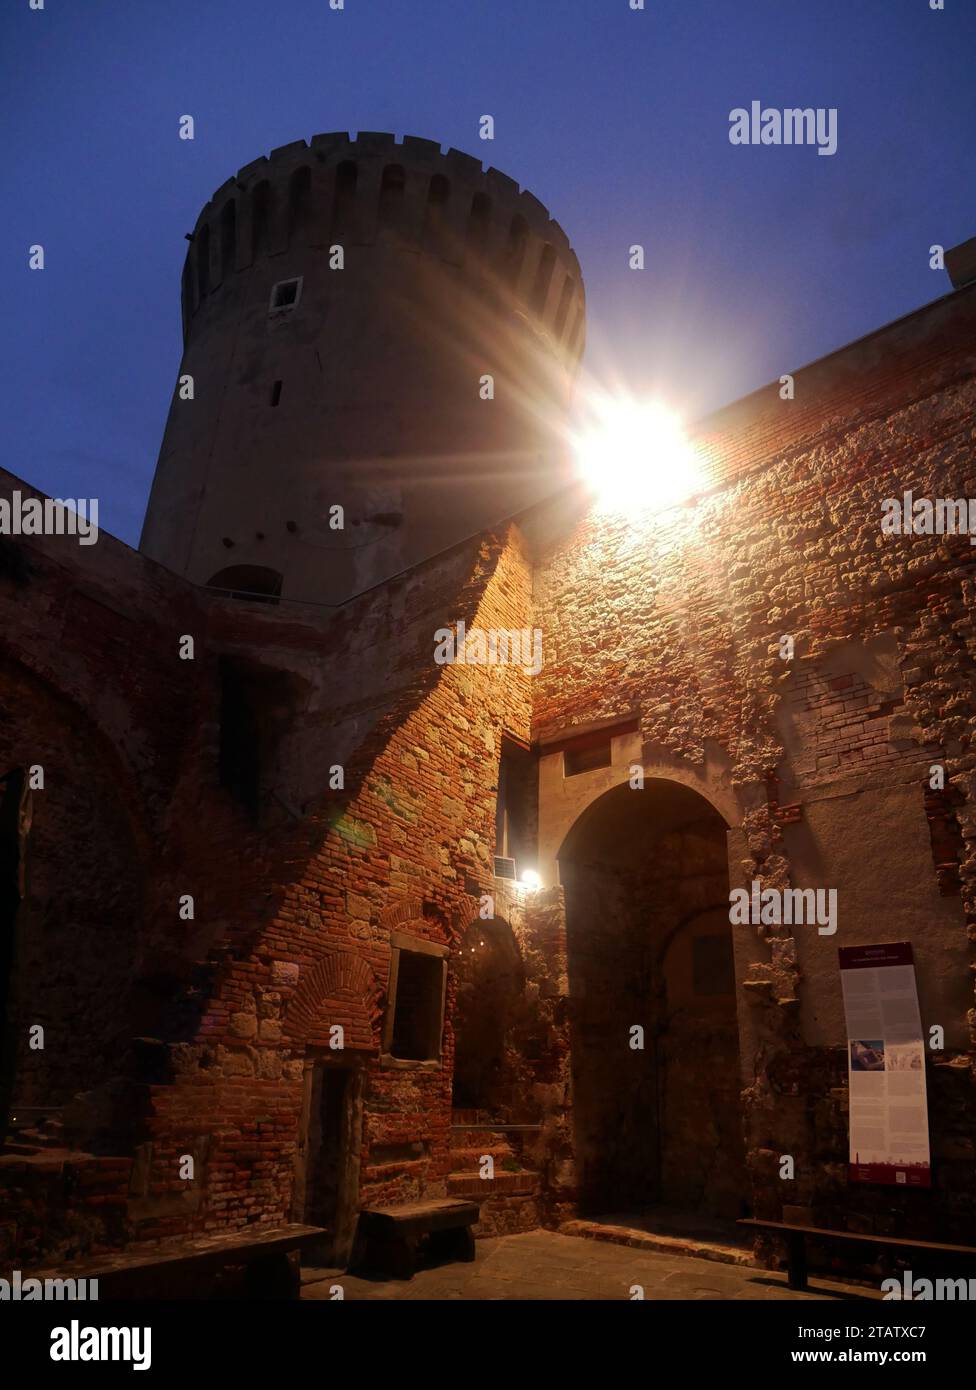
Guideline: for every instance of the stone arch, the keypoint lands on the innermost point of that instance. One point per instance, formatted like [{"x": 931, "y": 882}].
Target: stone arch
[
  {"x": 248, "y": 581},
  {"x": 81, "y": 952},
  {"x": 418, "y": 916},
  {"x": 565, "y": 801},
  {"x": 646, "y": 879},
  {"x": 489, "y": 1017},
  {"x": 340, "y": 988}
]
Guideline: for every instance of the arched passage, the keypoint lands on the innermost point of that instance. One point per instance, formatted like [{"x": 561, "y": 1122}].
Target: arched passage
[
  {"x": 489, "y": 1004},
  {"x": 645, "y": 874}
]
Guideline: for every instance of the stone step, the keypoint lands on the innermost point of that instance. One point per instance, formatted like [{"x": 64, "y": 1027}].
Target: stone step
[
  {"x": 471, "y": 1155},
  {"x": 695, "y": 1246},
  {"x": 30, "y": 1140},
  {"x": 523, "y": 1183}
]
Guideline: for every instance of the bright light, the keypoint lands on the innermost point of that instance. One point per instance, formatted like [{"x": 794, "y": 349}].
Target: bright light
[
  {"x": 635, "y": 455},
  {"x": 531, "y": 880}
]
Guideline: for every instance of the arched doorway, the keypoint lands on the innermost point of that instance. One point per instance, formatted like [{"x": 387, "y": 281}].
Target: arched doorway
[{"x": 645, "y": 874}]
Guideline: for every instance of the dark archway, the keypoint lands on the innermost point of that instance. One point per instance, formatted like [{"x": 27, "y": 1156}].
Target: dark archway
[
  {"x": 645, "y": 873},
  {"x": 256, "y": 582}
]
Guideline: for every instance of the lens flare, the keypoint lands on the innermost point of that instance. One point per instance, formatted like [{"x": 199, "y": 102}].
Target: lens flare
[{"x": 634, "y": 456}]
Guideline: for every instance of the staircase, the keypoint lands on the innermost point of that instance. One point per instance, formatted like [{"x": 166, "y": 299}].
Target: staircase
[
  {"x": 34, "y": 1131},
  {"x": 510, "y": 1199}
]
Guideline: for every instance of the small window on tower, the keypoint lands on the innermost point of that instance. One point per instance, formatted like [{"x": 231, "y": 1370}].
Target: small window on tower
[{"x": 285, "y": 295}]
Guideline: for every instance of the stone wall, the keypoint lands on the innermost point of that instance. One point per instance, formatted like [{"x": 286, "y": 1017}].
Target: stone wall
[{"x": 678, "y": 618}]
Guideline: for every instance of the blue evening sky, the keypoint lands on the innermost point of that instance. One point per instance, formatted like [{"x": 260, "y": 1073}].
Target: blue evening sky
[{"x": 758, "y": 259}]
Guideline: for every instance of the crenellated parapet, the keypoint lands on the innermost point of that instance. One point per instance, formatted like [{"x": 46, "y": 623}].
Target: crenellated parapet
[{"x": 374, "y": 190}]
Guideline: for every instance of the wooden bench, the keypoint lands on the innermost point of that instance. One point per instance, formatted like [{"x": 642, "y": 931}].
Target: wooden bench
[
  {"x": 156, "y": 1270},
  {"x": 387, "y": 1237},
  {"x": 796, "y": 1238}
]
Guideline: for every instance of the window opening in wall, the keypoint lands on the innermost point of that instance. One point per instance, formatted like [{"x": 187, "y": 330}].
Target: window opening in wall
[
  {"x": 276, "y": 393},
  {"x": 586, "y": 758},
  {"x": 286, "y": 294},
  {"x": 418, "y": 1006},
  {"x": 515, "y": 808},
  {"x": 257, "y": 710},
  {"x": 239, "y": 762}
]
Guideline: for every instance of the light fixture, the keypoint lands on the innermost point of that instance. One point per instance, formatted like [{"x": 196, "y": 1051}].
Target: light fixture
[
  {"x": 634, "y": 455},
  {"x": 531, "y": 880}
]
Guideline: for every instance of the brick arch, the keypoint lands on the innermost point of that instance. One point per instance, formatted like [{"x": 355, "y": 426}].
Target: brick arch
[
  {"x": 410, "y": 910},
  {"x": 419, "y": 915},
  {"x": 339, "y": 988}
]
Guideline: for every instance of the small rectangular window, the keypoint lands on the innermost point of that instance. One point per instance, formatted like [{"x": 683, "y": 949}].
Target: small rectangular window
[
  {"x": 285, "y": 294},
  {"x": 276, "y": 393},
  {"x": 418, "y": 1007},
  {"x": 586, "y": 759}
]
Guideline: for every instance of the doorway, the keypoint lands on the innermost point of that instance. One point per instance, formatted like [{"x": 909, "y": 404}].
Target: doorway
[
  {"x": 653, "y": 1023},
  {"x": 327, "y": 1177}
]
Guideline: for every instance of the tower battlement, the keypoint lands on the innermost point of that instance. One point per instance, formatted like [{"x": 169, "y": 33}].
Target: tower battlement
[
  {"x": 354, "y": 192},
  {"x": 418, "y": 382}
]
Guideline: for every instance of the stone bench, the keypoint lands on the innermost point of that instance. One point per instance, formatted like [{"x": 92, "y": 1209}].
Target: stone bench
[
  {"x": 796, "y": 1238},
  {"x": 387, "y": 1238},
  {"x": 156, "y": 1270}
]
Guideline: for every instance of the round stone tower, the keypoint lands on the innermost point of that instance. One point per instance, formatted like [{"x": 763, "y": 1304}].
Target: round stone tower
[{"x": 381, "y": 341}]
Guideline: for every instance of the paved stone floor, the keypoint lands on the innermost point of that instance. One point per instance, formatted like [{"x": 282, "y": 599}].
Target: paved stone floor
[{"x": 544, "y": 1265}]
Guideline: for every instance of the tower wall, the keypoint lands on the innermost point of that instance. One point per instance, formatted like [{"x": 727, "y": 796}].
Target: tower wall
[{"x": 365, "y": 392}]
